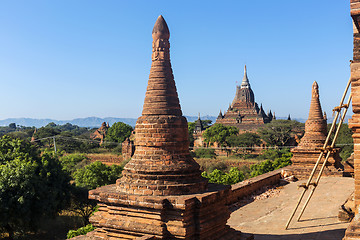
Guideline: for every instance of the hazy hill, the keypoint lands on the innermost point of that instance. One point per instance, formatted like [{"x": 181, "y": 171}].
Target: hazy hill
[{"x": 96, "y": 121}]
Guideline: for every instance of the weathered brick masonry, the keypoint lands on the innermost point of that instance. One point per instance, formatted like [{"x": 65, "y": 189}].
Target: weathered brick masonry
[
  {"x": 353, "y": 231},
  {"x": 161, "y": 192},
  {"x": 307, "y": 152}
]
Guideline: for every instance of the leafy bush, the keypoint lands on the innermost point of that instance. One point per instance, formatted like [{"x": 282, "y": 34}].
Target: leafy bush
[
  {"x": 220, "y": 177},
  {"x": 270, "y": 165},
  {"x": 218, "y": 133},
  {"x": 31, "y": 186},
  {"x": 345, "y": 141},
  {"x": 96, "y": 174},
  {"x": 271, "y": 154},
  {"x": 204, "y": 153},
  {"x": 72, "y": 162},
  {"x": 80, "y": 231},
  {"x": 118, "y": 132}
]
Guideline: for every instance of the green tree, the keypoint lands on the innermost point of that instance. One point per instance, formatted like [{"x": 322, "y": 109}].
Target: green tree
[
  {"x": 278, "y": 159},
  {"x": 344, "y": 141},
  {"x": 191, "y": 127},
  {"x": 96, "y": 174},
  {"x": 118, "y": 132},
  {"x": 81, "y": 204},
  {"x": 12, "y": 126},
  {"x": 72, "y": 162},
  {"x": 218, "y": 133},
  {"x": 80, "y": 231},
  {"x": 31, "y": 186},
  {"x": 280, "y": 132},
  {"x": 243, "y": 140},
  {"x": 220, "y": 177},
  {"x": 204, "y": 153}
]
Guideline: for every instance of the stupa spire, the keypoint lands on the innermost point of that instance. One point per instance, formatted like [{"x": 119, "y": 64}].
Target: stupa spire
[
  {"x": 162, "y": 164},
  {"x": 245, "y": 82},
  {"x": 161, "y": 97},
  {"x": 307, "y": 152},
  {"x": 315, "y": 125},
  {"x": 315, "y": 107}
]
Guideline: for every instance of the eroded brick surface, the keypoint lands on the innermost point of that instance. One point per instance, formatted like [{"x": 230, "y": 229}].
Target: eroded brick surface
[
  {"x": 307, "y": 152},
  {"x": 161, "y": 193},
  {"x": 161, "y": 164}
]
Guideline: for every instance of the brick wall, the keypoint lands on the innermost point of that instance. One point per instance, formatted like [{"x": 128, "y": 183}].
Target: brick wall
[
  {"x": 249, "y": 186},
  {"x": 354, "y": 122}
]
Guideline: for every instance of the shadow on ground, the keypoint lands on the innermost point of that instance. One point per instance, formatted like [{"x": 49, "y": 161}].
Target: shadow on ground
[{"x": 336, "y": 234}]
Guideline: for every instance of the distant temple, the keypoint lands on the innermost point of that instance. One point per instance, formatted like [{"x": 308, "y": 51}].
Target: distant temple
[
  {"x": 100, "y": 133},
  {"x": 244, "y": 113}
]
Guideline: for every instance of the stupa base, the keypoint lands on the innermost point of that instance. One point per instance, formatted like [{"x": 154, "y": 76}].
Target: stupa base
[{"x": 194, "y": 216}]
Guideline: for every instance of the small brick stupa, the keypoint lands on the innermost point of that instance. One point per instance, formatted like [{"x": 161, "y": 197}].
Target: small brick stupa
[
  {"x": 161, "y": 194},
  {"x": 308, "y": 150}
]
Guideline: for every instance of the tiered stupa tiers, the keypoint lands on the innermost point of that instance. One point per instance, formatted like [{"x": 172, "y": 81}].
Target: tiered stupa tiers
[
  {"x": 161, "y": 194},
  {"x": 308, "y": 150},
  {"x": 316, "y": 125},
  {"x": 244, "y": 112},
  {"x": 161, "y": 164}
]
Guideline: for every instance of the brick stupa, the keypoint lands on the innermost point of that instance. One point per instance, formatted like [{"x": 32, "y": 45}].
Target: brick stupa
[
  {"x": 307, "y": 152},
  {"x": 161, "y": 194}
]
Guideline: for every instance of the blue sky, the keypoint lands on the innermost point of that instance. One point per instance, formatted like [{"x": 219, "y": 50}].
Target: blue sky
[{"x": 69, "y": 59}]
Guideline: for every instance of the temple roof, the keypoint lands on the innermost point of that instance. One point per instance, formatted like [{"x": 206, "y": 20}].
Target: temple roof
[{"x": 244, "y": 93}]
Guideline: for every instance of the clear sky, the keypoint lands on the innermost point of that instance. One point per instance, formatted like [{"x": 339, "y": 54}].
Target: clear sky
[{"x": 68, "y": 59}]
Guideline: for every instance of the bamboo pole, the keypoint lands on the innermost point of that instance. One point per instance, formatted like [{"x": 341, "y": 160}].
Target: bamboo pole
[
  {"x": 338, "y": 109},
  {"x": 326, "y": 159}
]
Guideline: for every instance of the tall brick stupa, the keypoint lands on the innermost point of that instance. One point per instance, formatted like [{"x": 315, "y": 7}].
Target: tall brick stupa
[
  {"x": 161, "y": 164},
  {"x": 307, "y": 152},
  {"x": 161, "y": 194}
]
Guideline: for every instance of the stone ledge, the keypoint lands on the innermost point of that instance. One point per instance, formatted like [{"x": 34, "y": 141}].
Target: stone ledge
[{"x": 247, "y": 187}]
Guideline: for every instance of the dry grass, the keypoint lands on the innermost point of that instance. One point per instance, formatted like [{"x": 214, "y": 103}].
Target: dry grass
[
  {"x": 223, "y": 163},
  {"x": 106, "y": 158}
]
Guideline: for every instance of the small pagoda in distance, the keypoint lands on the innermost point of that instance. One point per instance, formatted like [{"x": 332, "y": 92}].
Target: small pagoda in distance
[{"x": 244, "y": 113}]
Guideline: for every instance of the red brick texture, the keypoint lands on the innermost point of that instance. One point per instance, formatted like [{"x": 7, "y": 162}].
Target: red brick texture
[
  {"x": 353, "y": 231},
  {"x": 161, "y": 164},
  {"x": 161, "y": 192},
  {"x": 307, "y": 152}
]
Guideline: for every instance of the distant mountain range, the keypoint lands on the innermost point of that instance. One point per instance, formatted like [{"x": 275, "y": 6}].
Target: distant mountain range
[
  {"x": 96, "y": 121},
  {"x": 82, "y": 122}
]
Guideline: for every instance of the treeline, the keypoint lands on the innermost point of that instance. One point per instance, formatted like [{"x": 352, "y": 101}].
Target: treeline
[
  {"x": 271, "y": 159},
  {"x": 70, "y": 138},
  {"x": 37, "y": 185},
  {"x": 277, "y": 134}
]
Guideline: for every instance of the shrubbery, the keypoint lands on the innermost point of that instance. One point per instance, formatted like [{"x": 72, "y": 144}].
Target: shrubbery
[
  {"x": 275, "y": 159},
  {"x": 220, "y": 177},
  {"x": 96, "y": 174},
  {"x": 278, "y": 161},
  {"x": 204, "y": 153},
  {"x": 31, "y": 186},
  {"x": 72, "y": 162},
  {"x": 80, "y": 231}
]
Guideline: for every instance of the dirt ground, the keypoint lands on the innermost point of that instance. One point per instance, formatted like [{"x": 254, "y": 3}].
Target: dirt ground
[{"x": 266, "y": 218}]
